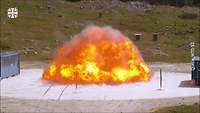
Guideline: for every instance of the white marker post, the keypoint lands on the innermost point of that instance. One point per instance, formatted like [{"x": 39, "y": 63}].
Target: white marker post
[
  {"x": 161, "y": 79},
  {"x": 76, "y": 77},
  {"x": 192, "y": 46}
]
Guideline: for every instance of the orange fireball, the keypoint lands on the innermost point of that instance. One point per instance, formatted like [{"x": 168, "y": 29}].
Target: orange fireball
[{"x": 98, "y": 55}]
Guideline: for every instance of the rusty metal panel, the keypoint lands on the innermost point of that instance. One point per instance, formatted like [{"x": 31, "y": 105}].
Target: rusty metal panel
[{"x": 10, "y": 64}]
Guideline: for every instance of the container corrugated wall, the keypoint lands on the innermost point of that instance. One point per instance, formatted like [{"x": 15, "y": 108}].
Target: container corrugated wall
[
  {"x": 196, "y": 69},
  {"x": 10, "y": 64}
]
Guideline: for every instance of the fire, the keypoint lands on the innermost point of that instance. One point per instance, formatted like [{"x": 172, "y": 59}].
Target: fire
[{"x": 98, "y": 55}]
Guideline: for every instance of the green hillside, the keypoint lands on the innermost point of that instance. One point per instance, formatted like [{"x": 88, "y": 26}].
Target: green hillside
[{"x": 43, "y": 26}]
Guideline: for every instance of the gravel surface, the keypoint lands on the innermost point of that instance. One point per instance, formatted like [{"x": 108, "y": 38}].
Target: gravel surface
[{"x": 134, "y": 106}]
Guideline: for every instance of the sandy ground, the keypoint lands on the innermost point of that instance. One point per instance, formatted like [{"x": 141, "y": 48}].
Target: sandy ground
[{"x": 13, "y": 104}]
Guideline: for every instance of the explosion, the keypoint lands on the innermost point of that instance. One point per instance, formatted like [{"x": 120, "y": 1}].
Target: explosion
[{"x": 98, "y": 55}]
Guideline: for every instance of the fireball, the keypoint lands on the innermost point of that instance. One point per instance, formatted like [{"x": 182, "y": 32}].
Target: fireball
[{"x": 98, "y": 55}]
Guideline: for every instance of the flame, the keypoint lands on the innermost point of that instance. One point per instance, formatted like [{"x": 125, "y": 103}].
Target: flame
[{"x": 98, "y": 55}]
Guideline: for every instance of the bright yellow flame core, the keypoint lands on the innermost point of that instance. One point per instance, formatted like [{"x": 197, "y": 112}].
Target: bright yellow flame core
[
  {"x": 97, "y": 58},
  {"x": 65, "y": 71},
  {"x": 52, "y": 70}
]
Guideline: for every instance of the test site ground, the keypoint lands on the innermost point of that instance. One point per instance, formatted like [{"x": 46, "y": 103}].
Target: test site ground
[{"x": 20, "y": 104}]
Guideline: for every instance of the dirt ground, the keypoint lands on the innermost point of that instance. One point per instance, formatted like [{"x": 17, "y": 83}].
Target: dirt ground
[
  {"x": 134, "y": 106},
  {"x": 170, "y": 67}
]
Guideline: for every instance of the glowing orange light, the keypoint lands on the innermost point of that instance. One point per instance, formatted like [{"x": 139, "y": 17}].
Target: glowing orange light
[{"x": 98, "y": 55}]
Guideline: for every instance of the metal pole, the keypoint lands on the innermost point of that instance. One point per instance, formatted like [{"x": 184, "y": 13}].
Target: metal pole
[
  {"x": 76, "y": 84},
  {"x": 76, "y": 81},
  {"x": 160, "y": 78},
  {"x": 192, "y": 46}
]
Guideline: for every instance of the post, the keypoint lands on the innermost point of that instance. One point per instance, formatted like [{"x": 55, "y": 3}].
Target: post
[
  {"x": 160, "y": 78},
  {"x": 192, "y": 45},
  {"x": 155, "y": 36},
  {"x": 76, "y": 80},
  {"x": 76, "y": 85},
  {"x": 137, "y": 36}
]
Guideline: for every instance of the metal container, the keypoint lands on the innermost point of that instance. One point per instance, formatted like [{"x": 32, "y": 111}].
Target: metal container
[
  {"x": 137, "y": 36},
  {"x": 196, "y": 69},
  {"x": 10, "y": 64}
]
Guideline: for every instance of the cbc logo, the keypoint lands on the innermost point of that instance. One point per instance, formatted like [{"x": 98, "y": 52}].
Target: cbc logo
[{"x": 12, "y": 12}]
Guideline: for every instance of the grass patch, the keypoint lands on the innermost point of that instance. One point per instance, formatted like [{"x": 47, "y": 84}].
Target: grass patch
[
  {"x": 195, "y": 108},
  {"x": 188, "y": 16}
]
